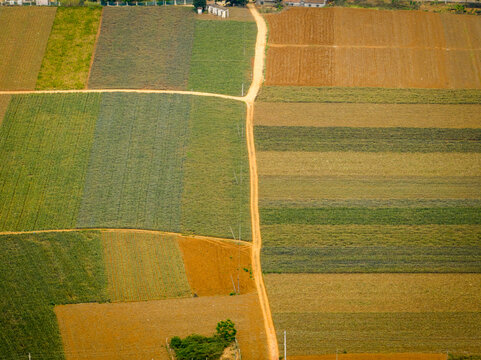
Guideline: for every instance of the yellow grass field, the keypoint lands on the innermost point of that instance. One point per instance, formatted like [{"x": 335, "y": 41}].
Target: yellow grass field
[
  {"x": 139, "y": 330},
  {"x": 368, "y": 164},
  {"x": 214, "y": 267},
  {"x": 4, "y": 101},
  {"x": 25, "y": 32},
  {"x": 373, "y": 48},
  {"x": 143, "y": 266},
  {"x": 402, "y": 356},
  {"x": 368, "y": 115},
  {"x": 374, "y": 293}
]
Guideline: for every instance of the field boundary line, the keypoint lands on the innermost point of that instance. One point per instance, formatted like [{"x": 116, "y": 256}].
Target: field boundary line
[
  {"x": 371, "y": 47},
  {"x": 134, "y": 91},
  {"x": 140, "y": 231},
  {"x": 95, "y": 48},
  {"x": 257, "y": 80}
]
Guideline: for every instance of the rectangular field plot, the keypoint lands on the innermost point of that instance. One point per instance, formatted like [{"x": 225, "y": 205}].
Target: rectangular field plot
[
  {"x": 38, "y": 272},
  {"x": 134, "y": 178},
  {"x": 221, "y": 56},
  {"x": 4, "y": 101},
  {"x": 215, "y": 198},
  {"x": 377, "y": 312},
  {"x": 70, "y": 48},
  {"x": 25, "y": 31},
  {"x": 292, "y": 248},
  {"x": 373, "y": 48},
  {"x": 141, "y": 328},
  {"x": 365, "y": 95},
  {"x": 45, "y": 143},
  {"x": 144, "y": 266},
  {"x": 143, "y": 48},
  {"x": 445, "y": 116}
]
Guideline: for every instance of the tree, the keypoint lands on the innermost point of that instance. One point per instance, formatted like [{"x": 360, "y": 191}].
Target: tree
[
  {"x": 236, "y": 2},
  {"x": 200, "y": 4},
  {"x": 226, "y": 330}
]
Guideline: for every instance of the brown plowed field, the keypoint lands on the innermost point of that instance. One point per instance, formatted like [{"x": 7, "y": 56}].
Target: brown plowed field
[
  {"x": 373, "y": 48},
  {"x": 139, "y": 330},
  {"x": 4, "y": 101},
  {"x": 368, "y": 115},
  {"x": 405, "y": 356},
  {"x": 213, "y": 267},
  {"x": 25, "y": 32}
]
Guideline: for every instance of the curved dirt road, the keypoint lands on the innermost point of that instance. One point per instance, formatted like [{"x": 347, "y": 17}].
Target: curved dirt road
[{"x": 257, "y": 79}]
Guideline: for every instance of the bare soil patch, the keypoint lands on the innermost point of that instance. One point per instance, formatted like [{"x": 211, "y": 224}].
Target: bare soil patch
[
  {"x": 401, "y": 356},
  {"x": 139, "y": 330},
  {"x": 215, "y": 267}
]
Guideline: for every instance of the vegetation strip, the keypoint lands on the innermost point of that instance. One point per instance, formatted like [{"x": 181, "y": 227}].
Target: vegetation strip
[
  {"x": 25, "y": 32},
  {"x": 4, "y": 101},
  {"x": 45, "y": 143},
  {"x": 38, "y": 272},
  {"x": 307, "y": 94},
  {"x": 131, "y": 50},
  {"x": 70, "y": 48},
  {"x": 226, "y": 47},
  {"x": 304, "y": 138},
  {"x": 379, "y": 216}
]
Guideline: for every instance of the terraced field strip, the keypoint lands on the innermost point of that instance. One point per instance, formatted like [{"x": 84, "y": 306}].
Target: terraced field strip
[
  {"x": 390, "y": 52},
  {"x": 310, "y": 94},
  {"x": 446, "y": 116},
  {"x": 22, "y": 45},
  {"x": 38, "y": 272},
  {"x": 70, "y": 48},
  {"x": 4, "y": 101},
  {"x": 141, "y": 328},
  {"x": 130, "y": 171},
  {"x": 45, "y": 144},
  {"x": 216, "y": 267},
  {"x": 143, "y": 266},
  {"x": 423, "y": 312},
  {"x": 131, "y": 50},
  {"x": 295, "y": 248},
  {"x": 229, "y": 45}
]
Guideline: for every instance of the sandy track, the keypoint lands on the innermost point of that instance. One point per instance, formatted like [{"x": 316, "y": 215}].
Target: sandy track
[{"x": 257, "y": 80}]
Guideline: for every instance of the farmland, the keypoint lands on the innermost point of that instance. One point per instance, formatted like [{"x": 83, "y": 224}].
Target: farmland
[
  {"x": 38, "y": 272},
  {"x": 45, "y": 144},
  {"x": 226, "y": 47},
  {"x": 25, "y": 31},
  {"x": 391, "y": 52},
  {"x": 143, "y": 266},
  {"x": 131, "y": 50},
  {"x": 69, "y": 49},
  {"x": 396, "y": 312},
  {"x": 142, "y": 327},
  {"x": 4, "y": 101}
]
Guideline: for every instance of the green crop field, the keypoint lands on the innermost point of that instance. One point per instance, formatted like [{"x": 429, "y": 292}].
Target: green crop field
[
  {"x": 70, "y": 48},
  {"x": 144, "y": 266},
  {"x": 306, "y": 94},
  {"x": 216, "y": 194},
  {"x": 38, "y": 272},
  {"x": 221, "y": 56},
  {"x": 124, "y": 161},
  {"x": 143, "y": 48},
  {"x": 45, "y": 144},
  {"x": 4, "y": 101},
  {"x": 25, "y": 32}
]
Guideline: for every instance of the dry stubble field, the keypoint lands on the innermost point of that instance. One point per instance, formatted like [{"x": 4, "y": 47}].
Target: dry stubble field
[{"x": 373, "y": 48}]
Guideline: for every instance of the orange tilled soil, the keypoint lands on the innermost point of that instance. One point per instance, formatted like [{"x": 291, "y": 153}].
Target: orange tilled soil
[
  {"x": 213, "y": 266},
  {"x": 406, "y": 356},
  {"x": 138, "y": 330},
  {"x": 375, "y": 48}
]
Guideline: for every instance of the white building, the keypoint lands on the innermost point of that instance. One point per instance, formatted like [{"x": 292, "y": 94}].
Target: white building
[
  {"x": 306, "y": 3},
  {"x": 218, "y": 10}
]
